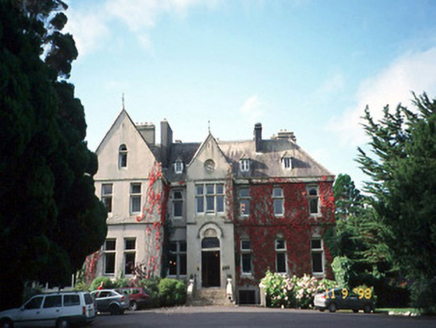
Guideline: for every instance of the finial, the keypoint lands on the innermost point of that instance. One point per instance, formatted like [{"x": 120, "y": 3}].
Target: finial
[
  {"x": 122, "y": 101},
  {"x": 208, "y": 126}
]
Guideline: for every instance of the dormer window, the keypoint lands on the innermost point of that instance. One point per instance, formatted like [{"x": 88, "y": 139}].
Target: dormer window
[
  {"x": 178, "y": 166},
  {"x": 287, "y": 163},
  {"x": 122, "y": 156},
  {"x": 244, "y": 165}
]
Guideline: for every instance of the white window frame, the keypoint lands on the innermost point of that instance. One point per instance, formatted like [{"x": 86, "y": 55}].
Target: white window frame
[
  {"x": 135, "y": 195},
  {"x": 129, "y": 251},
  {"x": 112, "y": 252},
  {"x": 287, "y": 163},
  {"x": 313, "y": 198},
  {"x": 122, "y": 156},
  {"x": 246, "y": 251},
  {"x": 244, "y": 165},
  {"x": 244, "y": 198},
  {"x": 280, "y": 198},
  {"x": 281, "y": 251},
  {"x": 178, "y": 253},
  {"x": 209, "y": 193},
  {"x": 177, "y": 200},
  {"x": 107, "y": 196},
  {"x": 319, "y": 250},
  {"x": 178, "y": 167}
]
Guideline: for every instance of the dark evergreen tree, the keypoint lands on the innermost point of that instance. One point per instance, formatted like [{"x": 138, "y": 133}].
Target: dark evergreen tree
[
  {"x": 50, "y": 218},
  {"x": 403, "y": 184}
]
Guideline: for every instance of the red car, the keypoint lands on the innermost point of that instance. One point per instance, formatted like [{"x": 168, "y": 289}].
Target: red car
[{"x": 137, "y": 295}]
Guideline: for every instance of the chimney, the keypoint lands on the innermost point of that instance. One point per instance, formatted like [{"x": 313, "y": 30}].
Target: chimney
[
  {"x": 258, "y": 135},
  {"x": 166, "y": 140},
  {"x": 286, "y": 135},
  {"x": 147, "y": 131}
]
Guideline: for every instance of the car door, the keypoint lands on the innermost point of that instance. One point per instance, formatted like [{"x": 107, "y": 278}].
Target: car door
[
  {"x": 103, "y": 300},
  {"x": 30, "y": 313},
  {"x": 51, "y": 309}
]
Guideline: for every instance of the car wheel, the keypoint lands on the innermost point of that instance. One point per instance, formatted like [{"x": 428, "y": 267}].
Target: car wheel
[
  {"x": 133, "y": 306},
  {"x": 6, "y": 324},
  {"x": 367, "y": 308},
  {"x": 62, "y": 323},
  {"x": 332, "y": 307},
  {"x": 115, "y": 309},
  {"x": 322, "y": 309}
]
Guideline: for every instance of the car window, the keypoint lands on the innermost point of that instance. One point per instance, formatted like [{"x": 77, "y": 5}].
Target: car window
[
  {"x": 34, "y": 303},
  {"x": 88, "y": 299},
  {"x": 71, "y": 300},
  {"x": 52, "y": 301},
  {"x": 104, "y": 294}
]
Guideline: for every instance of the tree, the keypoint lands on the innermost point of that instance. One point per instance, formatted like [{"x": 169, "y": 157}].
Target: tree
[
  {"x": 403, "y": 185},
  {"x": 50, "y": 218}
]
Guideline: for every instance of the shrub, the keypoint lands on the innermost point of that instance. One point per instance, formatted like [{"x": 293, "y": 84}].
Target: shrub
[
  {"x": 107, "y": 283},
  {"x": 82, "y": 286},
  {"x": 171, "y": 292},
  {"x": 121, "y": 282},
  {"x": 151, "y": 286}
]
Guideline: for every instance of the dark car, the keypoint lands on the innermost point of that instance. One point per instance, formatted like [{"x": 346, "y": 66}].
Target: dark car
[
  {"x": 109, "y": 300},
  {"x": 342, "y": 298},
  {"x": 138, "y": 297}
]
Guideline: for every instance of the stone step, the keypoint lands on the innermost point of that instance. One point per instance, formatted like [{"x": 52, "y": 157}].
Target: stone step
[{"x": 209, "y": 296}]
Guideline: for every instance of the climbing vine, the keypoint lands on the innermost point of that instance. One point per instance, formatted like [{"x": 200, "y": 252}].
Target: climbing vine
[{"x": 91, "y": 266}]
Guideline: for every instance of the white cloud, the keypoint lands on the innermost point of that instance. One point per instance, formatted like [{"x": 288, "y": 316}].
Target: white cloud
[
  {"x": 415, "y": 71},
  {"x": 252, "y": 109},
  {"x": 91, "y": 26}
]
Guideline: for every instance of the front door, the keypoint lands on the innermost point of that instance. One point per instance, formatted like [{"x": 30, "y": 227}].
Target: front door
[{"x": 210, "y": 269}]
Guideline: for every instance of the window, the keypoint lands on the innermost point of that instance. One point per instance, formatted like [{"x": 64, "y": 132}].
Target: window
[
  {"x": 106, "y": 196},
  {"x": 246, "y": 265},
  {"x": 280, "y": 247},
  {"x": 122, "y": 156},
  {"x": 178, "y": 166},
  {"x": 210, "y": 196},
  {"x": 52, "y": 301},
  {"x": 109, "y": 256},
  {"x": 244, "y": 165},
  {"x": 278, "y": 201},
  {"x": 135, "y": 197},
  {"x": 71, "y": 300},
  {"x": 34, "y": 303},
  {"x": 177, "y": 203},
  {"x": 177, "y": 259},
  {"x": 129, "y": 255},
  {"x": 244, "y": 201},
  {"x": 287, "y": 163},
  {"x": 313, "y": 200},
  {"x": 317, "y": 256}
]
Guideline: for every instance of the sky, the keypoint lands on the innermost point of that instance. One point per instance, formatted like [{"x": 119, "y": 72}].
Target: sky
[{"x": 307, "y": 66}]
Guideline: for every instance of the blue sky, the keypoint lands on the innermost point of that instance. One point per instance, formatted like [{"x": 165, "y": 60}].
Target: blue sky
[{"x": 308, "y": 66}]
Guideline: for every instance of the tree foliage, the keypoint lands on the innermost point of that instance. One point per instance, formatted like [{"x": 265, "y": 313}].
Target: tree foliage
[
  {"x": 50, "y": 218},
  {"x": 402, "y": 171}
]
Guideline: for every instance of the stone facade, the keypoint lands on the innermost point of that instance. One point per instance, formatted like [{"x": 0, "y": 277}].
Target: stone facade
[{"x": 212, "y": 212}]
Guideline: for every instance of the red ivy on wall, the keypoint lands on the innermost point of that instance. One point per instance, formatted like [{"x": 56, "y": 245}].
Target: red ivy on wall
[{"x": 296, "y": 227}]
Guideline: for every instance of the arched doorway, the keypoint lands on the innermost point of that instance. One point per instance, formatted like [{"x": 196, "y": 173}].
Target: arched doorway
[{"x": 210, "y": 261}]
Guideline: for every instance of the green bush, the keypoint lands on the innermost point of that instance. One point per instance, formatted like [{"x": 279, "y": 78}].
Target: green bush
[
  {"x": 107, "y": 283},
  {"x": 121, "y": 282},
  {"x": 82, "y": 286},
  {"x": 151, "y": 286},
  {"x": 171, "y": 292}
]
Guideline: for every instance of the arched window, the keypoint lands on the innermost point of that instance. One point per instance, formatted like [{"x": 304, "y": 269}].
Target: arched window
[{"x": 122, "y": 156}]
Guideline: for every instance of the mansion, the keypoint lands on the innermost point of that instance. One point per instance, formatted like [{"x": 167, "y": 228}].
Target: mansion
[{"x": 214, "y": 212}]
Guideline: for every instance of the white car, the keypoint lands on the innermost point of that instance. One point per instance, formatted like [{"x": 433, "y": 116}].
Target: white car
[{"x": 51, "y": 310}]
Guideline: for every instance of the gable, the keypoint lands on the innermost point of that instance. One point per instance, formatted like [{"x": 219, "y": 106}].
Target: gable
[{"x": 140, "y": 159}]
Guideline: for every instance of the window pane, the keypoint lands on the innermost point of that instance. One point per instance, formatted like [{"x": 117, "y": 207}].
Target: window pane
[
  {"x": 316, "y": 244},
  {"x": 182, "y": 246},
  {"x": 317, "y": 262},
  {"x": 278, "y": 206},
  {"x": 123, "y": 160},
  {"x": 277, "y": 192},
  {"x": 135, "y": 204},
  {"x": 245, "y": 207},
  {"x": 210, "y": 206},
  {"x": 220, "y": 203},
  {"x": 135, "y": 188},
  {"x": 220, "y": 189},
  {"x": 246, "y": 244},
  {"x": 200, "y": 205},
  {"x": 183, "y": 264},
  {"x": 287, "y": 162},
  {"x": 280, "y": 244},
  {"x": 199, "y": 190},
  {"x": 106, "y": 189},
  {"x": 178, "y": 208},
  {"x": 173, "y": 247},
  {"x": 34, "y": 303},
  {"x": 129, "y": 263},
  {"x": 209, "y": 189},
  {"x": 52, "y": 301},
  {"x": 107, "y": 202},
  {"x": 130, "y": 243},
  {"x": 245, "y": 192},
  {"x": 246, "y": 263},
  {"x": 172, "y": 264},
  {"x": 109, "y": 263},
  {"x": 313, "y": 192},
  {"x": 70, "y": 300},
  {"x": 281, "y": 262},
  {"x": 210, "y": 242},
  {"x": 313, "y": 205},
  {"x": 177, "y": 195},
  {"x": 110, "y": 245}
]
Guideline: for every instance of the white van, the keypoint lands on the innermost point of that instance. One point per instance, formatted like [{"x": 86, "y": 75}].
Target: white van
[{"x": 51, "y": 310}]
